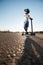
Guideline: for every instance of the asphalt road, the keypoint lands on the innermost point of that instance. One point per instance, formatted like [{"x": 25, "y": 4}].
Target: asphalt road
[{"x": 16, "y": 49}]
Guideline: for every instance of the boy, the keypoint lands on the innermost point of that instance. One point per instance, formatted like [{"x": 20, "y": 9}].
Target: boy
[{"x": 27, "y": 17}]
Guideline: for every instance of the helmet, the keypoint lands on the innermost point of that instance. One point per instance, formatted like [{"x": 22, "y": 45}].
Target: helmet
[{"x": 27, "y": 10}]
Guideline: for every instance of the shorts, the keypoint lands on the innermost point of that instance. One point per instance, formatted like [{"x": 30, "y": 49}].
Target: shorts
[{"x": 26, "y": 24}]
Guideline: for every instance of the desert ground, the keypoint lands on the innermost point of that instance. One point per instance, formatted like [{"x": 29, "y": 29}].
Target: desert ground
[{"x": 16, "y": 49}]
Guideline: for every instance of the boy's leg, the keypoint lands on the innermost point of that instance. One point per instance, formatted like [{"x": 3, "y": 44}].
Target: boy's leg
[{"x": 26, "y": 30}]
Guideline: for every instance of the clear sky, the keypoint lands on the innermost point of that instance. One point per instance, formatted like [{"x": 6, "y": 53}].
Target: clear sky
[{"x": 12, "y": 14}]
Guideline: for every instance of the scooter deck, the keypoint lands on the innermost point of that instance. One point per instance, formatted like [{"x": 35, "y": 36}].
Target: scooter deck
[{"x": 32, "y": 33}]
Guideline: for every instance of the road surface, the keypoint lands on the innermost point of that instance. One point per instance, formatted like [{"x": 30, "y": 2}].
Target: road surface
[{"x": 16, "y": 49}]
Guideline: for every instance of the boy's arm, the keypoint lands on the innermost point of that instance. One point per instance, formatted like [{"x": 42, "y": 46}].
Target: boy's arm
[{"x": 30, "y": 18}]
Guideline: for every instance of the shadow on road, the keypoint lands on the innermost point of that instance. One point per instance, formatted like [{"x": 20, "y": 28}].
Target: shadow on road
[{"x": 32, "y": 54}]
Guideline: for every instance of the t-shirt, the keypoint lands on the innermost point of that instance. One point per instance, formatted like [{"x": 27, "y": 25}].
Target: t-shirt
[{"x": 26, "y": 16}]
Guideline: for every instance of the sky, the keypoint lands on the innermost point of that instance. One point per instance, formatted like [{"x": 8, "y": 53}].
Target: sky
[{"x": 12, "y": 14}]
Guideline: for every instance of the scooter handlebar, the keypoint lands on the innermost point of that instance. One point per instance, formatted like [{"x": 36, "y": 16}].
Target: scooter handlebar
[{"x": 31, "y": 18}]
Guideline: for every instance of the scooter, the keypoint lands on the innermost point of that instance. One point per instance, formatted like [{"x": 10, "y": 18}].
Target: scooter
[{"x": 30, "y": 33}]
